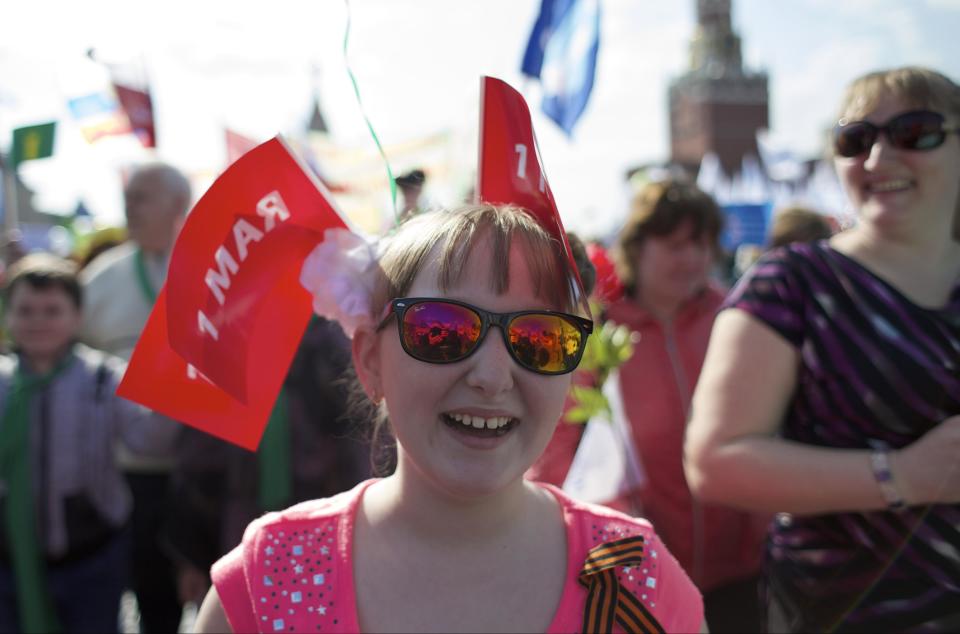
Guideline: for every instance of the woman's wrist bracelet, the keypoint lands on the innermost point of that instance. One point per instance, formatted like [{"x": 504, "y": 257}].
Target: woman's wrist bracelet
[{"x": 880, "y": 464}]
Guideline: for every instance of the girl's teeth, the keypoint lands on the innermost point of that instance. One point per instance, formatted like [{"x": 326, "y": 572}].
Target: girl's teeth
[
  {"x": 478, "y": 422},
  {"x": 889, "y": 185}
]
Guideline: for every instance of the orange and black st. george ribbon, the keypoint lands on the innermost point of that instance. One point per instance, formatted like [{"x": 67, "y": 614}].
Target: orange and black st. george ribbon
[{"x": 607, "y": 602}]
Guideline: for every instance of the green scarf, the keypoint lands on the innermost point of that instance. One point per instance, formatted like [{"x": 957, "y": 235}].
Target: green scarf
[
  {"x": 34, "y": 603},
  {"x": 276, "y": 488},
  {"x": 143, "y": 278}
]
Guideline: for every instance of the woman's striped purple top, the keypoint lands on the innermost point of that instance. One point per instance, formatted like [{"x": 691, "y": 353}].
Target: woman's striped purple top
[{"x": 876, "y": 370}]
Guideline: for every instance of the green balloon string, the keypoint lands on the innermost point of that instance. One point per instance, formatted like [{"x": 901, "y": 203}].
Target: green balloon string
[{"x": 356, "y": 91}]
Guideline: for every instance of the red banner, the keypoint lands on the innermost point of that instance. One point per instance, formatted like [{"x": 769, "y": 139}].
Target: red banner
[
  {"x": 160, "y": 379},
  {"x": 233, "y": 307},
  {"x": 139, "y": 108},
  {"x": 510, "y": 170}
]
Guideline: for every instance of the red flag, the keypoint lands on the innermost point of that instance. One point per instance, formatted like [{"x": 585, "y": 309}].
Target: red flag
[
  {"x": 139, "y": 108},
  {"x": 237, "y": 145},
  {"x": 233, "y": 306},
  {"x": 510, "y": 170},
  {"x": 160, "y": 379}
]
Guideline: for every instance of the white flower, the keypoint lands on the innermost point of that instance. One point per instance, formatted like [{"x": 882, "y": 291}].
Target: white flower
[{"x": 340, "y": 273}]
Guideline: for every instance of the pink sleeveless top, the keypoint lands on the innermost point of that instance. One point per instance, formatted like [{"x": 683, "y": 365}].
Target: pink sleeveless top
[{"x": 294, "y": 572}]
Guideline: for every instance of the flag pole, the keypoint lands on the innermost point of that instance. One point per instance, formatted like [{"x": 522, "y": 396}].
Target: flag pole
[{"x": 11, "y": 216}]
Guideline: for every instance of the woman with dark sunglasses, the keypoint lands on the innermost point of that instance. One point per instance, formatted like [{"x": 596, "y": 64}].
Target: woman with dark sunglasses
[
  {"x": 468, "y": 349},
  {"x": 831, "y": 388}
]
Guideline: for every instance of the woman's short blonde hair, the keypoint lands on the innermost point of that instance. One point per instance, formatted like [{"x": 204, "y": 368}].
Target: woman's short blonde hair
[{"x": 916, "y": 86}]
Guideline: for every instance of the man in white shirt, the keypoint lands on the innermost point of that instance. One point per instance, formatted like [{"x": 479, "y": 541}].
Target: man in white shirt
[{"x": 120, "y": 287}]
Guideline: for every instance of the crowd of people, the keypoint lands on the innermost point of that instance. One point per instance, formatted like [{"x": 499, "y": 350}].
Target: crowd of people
[{"x": 798, "y": 433}]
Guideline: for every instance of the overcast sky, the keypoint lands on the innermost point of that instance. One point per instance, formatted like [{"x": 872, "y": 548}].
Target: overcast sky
[{"x": 252, "y": 66}]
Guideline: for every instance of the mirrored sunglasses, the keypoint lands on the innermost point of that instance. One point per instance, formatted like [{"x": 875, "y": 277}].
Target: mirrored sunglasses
[
  {"x": 447, "y": 331},
  {"x": 916, "y": 130}
]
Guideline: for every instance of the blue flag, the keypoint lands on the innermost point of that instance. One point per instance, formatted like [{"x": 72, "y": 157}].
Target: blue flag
[
  {"x": 745, "y": 224},
  {"x": 562, "y": 52},
  {"x": 542, "y": 30}
]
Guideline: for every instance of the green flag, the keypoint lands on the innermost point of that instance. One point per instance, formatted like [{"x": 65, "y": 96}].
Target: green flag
[{"x": 32, "y": 142}]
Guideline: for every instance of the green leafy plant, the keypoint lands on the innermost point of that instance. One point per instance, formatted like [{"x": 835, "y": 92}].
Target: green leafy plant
[{"x": 608, "y": 348}]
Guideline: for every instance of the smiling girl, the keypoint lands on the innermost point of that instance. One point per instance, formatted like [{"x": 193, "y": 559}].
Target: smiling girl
[{"x": 468, "y": 351}]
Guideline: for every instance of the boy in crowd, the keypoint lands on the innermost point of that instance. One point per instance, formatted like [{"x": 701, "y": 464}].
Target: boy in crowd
[{"x": 64, "y": 505}]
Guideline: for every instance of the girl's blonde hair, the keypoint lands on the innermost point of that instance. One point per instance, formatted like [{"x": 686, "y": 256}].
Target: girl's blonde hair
[{"x": 449, "y": 236}]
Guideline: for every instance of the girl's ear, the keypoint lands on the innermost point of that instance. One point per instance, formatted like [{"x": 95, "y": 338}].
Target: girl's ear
[{"x": 366, "y": 361}]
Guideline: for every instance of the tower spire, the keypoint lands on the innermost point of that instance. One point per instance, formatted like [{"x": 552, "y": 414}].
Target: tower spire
[
  {"x": 717, "y": 105},
  {"x": 715, "y": 48}
]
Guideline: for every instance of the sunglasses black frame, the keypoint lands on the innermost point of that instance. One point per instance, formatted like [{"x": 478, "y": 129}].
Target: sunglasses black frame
[
  {"x": 401, "y": 305},
  {"x": 874, "y": 131}
]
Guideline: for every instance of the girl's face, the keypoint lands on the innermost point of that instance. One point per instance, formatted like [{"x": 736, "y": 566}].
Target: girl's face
[
  {"x": 430, "y": 405},
  {"x": 897, "y": 188}
]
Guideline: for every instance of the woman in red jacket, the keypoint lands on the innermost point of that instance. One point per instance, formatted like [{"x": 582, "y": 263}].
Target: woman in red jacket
[{"x": 664, "y": 255}]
